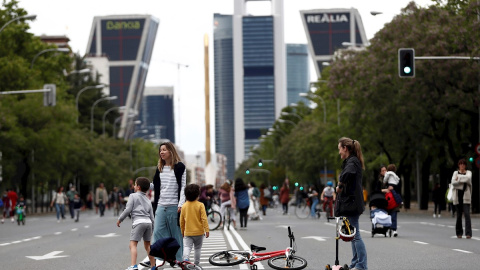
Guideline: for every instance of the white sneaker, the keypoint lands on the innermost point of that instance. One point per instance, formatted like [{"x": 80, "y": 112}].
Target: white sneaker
[
  {"x": 13, "y": 220},
  {"x": 434, "y": 216},
  {"x": 3, "y": 220},
  {"x": 395, "y": 234},
  {"x": 439, "y": 215}
]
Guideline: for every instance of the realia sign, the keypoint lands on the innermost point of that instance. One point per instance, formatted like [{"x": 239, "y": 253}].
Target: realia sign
[{"x": 326, "y": 29}]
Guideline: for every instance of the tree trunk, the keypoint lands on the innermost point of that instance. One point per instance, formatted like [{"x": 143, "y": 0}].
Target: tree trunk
[{"x": 425, "y": 181}]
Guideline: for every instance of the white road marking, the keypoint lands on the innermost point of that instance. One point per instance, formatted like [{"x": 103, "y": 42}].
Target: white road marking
[
  {"x": 51, "y": 255},
  {"x": 461, "y": 250},
  {"x": 107, "y": 235},
  {"x": 318, "y": 238},
  {"x": 418, "y": 242}
]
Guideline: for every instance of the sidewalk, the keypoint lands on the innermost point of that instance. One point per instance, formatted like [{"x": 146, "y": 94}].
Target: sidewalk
[{"x": 414, "y": 210}]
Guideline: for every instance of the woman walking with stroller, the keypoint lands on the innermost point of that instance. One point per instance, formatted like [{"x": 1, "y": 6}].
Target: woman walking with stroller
[
  {"x": 350, "y": 184},
  {"x": 392, "y": 181}
]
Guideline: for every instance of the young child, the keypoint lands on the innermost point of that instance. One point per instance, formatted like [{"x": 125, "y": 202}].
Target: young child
[
  {"x": 142, "y": 220},
  {"x": 193, "y": 223},
  {"x": 77, "y": 205}
]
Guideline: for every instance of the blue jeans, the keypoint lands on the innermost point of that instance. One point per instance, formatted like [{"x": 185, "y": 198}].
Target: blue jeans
[
  {"x": 60, "y": 210},
  {"x": 314, "y": 206},
  {"x": 359, "y": 251},
  {"x": 393, "y": 214},
  {"x": 166, "y": 225}
]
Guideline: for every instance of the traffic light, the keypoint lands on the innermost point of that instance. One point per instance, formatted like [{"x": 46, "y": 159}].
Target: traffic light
[
  {"x": 247, "y": 171},
  {"x": 301, "y": 188},
  {"x": 49, "y": 98},
  {"x": 296, "y": 184},
  {"x": 406, "y": 63},
  {"x": 470, "y": 159},
  {"x": 274, "y": 187},
  {"x": 260, "y": 163}
]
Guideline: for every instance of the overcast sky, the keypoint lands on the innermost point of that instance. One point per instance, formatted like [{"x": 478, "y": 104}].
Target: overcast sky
[{"x": 183, "y": 24}]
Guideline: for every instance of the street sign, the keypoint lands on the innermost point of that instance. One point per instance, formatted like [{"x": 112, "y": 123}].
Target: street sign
[
  {"x": 477, "y": 162},
  {"x": 477, "y": 149}
]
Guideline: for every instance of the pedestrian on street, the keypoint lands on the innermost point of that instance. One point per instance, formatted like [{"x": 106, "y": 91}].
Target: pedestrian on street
[
  {"x": 90, "y": 200},
  {"x": 254, "y": 195},
  {"x": 13, "y": 199},
  {"x": 243, "y": 202},
  {"x": 71, "y": 196},
  {"x": 60, "y": 199},
  {"x": 169, "y": 186},
  {"x": 193, "y": 223},
  {"x": 313, "y": 197},
  {"x": 351, "y": 180},
  {"x": 438, "y": 198},
  {"x": 377, "y": 184},
  {"x": 77, "y": 206},
  {"x": 392, "y": 182},
  {"x": 206, "y": 196},
  {"x": 140, "y": 208},
  {"x": 328, "y": 197},
  {"x": 7, "y": 205},
  {"x": 285, "y": 196},
  {"x": 462, "y": 197},
  {"x": 265, "y": 197},
  {"x": 101, "y": 198}
]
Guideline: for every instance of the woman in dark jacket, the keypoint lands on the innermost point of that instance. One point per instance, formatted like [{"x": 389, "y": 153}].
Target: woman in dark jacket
[
  {"x": 351, "y": 184},
  {"x": 243, "y": 202}
]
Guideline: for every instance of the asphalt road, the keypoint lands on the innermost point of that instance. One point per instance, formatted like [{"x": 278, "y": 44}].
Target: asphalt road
[{"x": 96, "y": 243}]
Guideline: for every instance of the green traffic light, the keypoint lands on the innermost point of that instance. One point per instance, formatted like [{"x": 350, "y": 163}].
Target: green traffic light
[
  {"x": 407, "y": 70},
  {"x": 274, "y": 187},
  {"x": 301, "y": 188},
  {"x": 260, "y": 163},
  {"x": 296, "y": 184},
  {"x": 247, "y": 171},
  {"x": 470, "y": 159}
]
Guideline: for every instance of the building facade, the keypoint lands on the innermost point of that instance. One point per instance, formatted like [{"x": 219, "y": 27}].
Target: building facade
[
  {"x": 298, "y": 78},
  {"x": 157, "y": 114},
  {"x": 250, "y": 54},
  {"x": 127, "y": 42}
]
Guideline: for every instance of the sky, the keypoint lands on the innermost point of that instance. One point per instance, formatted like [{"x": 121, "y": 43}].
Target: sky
[{"x": 180, "y": 39}]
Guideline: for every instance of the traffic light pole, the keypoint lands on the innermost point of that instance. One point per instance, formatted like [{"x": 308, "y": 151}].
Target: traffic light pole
[{"x": 50, "y": 89}]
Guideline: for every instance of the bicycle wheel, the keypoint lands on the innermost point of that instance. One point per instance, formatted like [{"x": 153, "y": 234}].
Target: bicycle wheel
[
  {"x": 214, "y": 219},
  {"x": 226, "y": 258},
  {"x": 281, "y": 262},
  {"x": 302, "y": 210}
]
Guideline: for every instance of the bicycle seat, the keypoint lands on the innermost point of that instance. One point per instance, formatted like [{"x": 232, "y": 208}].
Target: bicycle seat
[{"x": 256, "y": 248}]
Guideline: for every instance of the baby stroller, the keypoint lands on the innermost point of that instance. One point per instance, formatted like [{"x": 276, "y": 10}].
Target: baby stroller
[
  {"x": 166, "y": 248},
  {"x": 381, "y": 221}
]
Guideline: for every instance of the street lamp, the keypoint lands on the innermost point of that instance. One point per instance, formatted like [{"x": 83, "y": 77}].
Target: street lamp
[
  {"x": 100, "y": 86},
  {"x": 291, "y": 114},
  {"x": 287, "y": 121},
  {"x": 24, "y": 17},
  {"x": 48, "y": 50},
  {"x": 105, "y": 115},
  {"x": 93, "y": 106},
  {"x": 81, "y": 71},
  {"x": 310, "y": 94}
]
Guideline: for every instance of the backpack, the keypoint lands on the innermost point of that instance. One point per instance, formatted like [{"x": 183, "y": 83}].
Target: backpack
[
  {"x": 256, "y": 192},
  {"x": 266, "y": 193},
  {"x": 391, "y": 203}
]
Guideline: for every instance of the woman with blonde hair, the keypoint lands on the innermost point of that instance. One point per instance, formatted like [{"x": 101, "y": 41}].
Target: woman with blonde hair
[
  {"x": 350, "y": 184},
  {"x": 169, "y": 184}
]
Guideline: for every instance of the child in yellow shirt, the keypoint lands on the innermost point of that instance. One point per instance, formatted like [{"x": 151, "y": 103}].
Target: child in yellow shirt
[{"x": 193, "y": 223}]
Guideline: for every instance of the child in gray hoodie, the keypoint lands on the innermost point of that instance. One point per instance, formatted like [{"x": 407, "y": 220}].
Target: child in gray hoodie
[{"x": 142, "y": 220}]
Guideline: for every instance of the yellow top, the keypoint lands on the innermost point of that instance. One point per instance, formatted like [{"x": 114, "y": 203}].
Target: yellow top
[{"x": 193, "y": 219}]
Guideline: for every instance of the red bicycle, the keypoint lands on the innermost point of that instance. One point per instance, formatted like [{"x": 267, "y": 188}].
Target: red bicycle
[{"x": 281, "y": 259}]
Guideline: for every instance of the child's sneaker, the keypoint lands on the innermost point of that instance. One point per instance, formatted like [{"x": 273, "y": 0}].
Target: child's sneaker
[{"x": 132, "y": 267}]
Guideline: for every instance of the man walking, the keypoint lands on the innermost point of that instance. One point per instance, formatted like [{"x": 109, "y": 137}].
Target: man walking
[{"x": 101, "y": 197}]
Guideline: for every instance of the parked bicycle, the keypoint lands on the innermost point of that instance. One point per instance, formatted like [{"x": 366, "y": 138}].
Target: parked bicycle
[
  {"x": 303, "y": 209},
  {"x": 281, "y": 259}
]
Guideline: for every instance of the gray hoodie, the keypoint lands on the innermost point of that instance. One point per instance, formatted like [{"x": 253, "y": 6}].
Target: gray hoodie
[
  {"x": 391, "y": 178},
  {"x": 139, "y": 206}
]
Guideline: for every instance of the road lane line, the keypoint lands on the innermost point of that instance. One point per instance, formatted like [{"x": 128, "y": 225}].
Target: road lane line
[
  {"x": 422, "y": 243},
  {"x": 461, "y": 250}
]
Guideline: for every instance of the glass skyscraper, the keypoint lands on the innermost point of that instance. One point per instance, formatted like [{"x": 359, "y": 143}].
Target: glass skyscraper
[
  {"x": 157, "y": 113},
  {"x": 250, "y": 82},
  {"x": 127, "y": 42},
  {"x": 298, "y": 79},
  {"x": 223, "y": 70}
]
